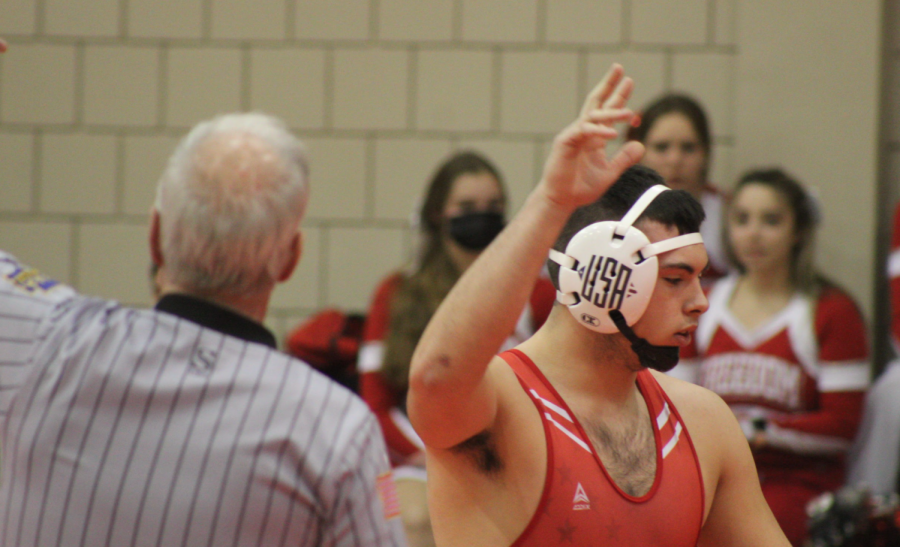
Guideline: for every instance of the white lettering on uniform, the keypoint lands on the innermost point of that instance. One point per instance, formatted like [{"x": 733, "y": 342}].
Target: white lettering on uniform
[{"x": 753, "y": 375}]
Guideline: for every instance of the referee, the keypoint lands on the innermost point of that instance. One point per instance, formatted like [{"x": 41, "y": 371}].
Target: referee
[{"x": 183, "y": 425}]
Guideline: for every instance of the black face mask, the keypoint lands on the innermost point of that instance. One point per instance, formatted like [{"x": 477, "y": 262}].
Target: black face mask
[
  {"x": 661, "y": 358},
  {"x": 475, "y": 231}
]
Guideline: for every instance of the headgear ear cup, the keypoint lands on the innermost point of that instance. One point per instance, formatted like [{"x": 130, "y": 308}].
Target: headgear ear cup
[{"x": 611, "y": 265}]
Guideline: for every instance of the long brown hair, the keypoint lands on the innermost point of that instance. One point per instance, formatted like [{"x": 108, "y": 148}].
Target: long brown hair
[
  {"x": 422, "y": 291},
  {"x": 806, "y": 213}
]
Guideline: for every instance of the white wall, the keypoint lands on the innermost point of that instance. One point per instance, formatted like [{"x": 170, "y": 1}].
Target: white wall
[
  {"x": 807, "y": 98},
  {"x": 94, "y": 93}
]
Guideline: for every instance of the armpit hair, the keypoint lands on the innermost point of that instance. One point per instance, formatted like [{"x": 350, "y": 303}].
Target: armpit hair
[{"x": 480, "y": 448}]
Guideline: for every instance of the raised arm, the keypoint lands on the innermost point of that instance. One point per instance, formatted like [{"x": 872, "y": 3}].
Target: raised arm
[{"x": 452, "y": 397}]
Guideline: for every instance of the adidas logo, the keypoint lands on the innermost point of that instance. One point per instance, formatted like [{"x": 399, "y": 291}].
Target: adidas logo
[{"x": 580, "y": 502}]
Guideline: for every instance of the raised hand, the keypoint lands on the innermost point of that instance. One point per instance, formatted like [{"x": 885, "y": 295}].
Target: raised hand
[{"x": 578, "y": 170}]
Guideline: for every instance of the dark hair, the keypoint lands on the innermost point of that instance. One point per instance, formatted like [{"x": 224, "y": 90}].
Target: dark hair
[
  {"x": 673, "y": 103},
  {"x": 678, "y": 104},
  {"x": 806, "y": 218},
  {"x": 421, "y": 292},
  {"x": 676, "y": 208}
]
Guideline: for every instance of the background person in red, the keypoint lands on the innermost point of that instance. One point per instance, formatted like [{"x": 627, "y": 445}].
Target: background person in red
[
  {"x": 678, "y": 145},
  {"x": 874, "y": 461},
  {"x": 785, "y": 348},
  {"x": 463, "y": 211}
]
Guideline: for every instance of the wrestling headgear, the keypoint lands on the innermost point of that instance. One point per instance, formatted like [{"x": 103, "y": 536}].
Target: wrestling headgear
[{"x": 611, "y": 265}]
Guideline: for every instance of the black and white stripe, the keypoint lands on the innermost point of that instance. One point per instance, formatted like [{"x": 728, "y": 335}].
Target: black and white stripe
[{"x": 137, "y": 427}]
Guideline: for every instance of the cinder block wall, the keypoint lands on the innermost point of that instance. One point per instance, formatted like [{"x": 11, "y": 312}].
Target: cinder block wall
[{"x": 94, "y": 94}]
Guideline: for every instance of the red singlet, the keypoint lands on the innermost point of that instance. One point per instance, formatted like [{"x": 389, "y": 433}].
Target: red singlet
[{"x": 582, "y": 505}]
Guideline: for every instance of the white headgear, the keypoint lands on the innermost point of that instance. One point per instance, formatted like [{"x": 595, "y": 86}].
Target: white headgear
[{"x": 611, "y": 265}]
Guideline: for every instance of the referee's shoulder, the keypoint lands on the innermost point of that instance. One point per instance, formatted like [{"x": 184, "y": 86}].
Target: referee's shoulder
[
  {"x": 321, "y": 395},
  {"x": 336, "y": 426},
  {"x": 21, "y": 284}
]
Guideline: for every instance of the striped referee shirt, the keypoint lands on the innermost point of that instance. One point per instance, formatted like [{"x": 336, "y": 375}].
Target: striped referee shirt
[{"x": 150, "y": 427}]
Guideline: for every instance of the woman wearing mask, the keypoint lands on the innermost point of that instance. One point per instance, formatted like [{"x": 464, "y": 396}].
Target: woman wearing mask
[
  {"x": 785, "y": 348},
  {"x": 463, "y": 211},
  {"x": 678, "y": 145}
]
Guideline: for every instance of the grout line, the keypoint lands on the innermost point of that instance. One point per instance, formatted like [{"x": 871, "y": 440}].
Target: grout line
[
  {"x": 456, "y": 22},
  {"x": 371, "y": 155},
  {"x": 324, "y": 245},
  {"x": 206, "y": 19},
  {"x": 75, "y": 247},
  {"x": 246, "y": 76},
  {"x": 374, "y": 21},
  {"x": 162, "y": 103},
  {"x": 386, "y": 45},
  {"x": 668, "y": 71},
  {"x": 540, "y": 31},
  {"x": 79, "y": 83},
  {"x": 40, "y": 17},
  {"x": 123, "y": 19},
  {"x": 37, "y": 170},
  {"x": 412, "y": 66},
  {"x": 290, "y": 19},
  {"x": 328, "y": 89},
  {"x": 119, "y": 176},
  {"x": 583, "y": 87},
  {"x": 496, "y": 91}
]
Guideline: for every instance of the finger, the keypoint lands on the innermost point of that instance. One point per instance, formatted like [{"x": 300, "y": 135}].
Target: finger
[
  {"x": 580, "y": 135},
  {"x": 602, "y": 91},
  {"x": 609, "y": 116},
  {"x": 587, "y": 130},
  {"x": 621, "y": 94},
  {"x": 2, "y": 45},
  {"x": 630, "y": 154}
]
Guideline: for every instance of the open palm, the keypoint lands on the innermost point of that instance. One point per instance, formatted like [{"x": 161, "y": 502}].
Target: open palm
[{"x": 579, "y": 170}]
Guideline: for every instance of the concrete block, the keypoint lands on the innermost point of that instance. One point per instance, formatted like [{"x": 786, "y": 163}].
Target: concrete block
[{"x": 78, "y": 173}]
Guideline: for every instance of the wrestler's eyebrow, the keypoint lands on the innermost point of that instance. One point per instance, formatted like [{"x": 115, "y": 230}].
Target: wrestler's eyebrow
[{"x": 682, "y": 266}]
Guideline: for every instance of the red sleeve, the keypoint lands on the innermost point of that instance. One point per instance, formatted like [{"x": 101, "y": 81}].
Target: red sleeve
[
  {"x": 894, "y": 276},
  {"x": 373, "y": 388},
  {"x": 840, "y": 329},
  {"x": 844, "y": 368},
  {"x": 378, "y": 317},
  {"x": 542, "y": 298}
]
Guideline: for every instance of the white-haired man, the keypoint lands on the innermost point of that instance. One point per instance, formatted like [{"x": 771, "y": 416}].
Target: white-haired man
[{"x": 183, "y": 425}]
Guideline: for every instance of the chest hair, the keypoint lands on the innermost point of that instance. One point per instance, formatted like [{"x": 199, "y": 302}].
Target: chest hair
[{"x": 627, "y": 450}]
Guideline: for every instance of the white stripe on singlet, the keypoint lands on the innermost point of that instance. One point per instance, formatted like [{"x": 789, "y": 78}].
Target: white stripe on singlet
[
  {"x": 562, "y": 412},
  {"x": 673, "y": 441},
  {"x": 130, "y": 426}
]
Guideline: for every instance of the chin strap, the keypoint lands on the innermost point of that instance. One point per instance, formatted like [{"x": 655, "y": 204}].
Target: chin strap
[{"x": 661, "y": 358}]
